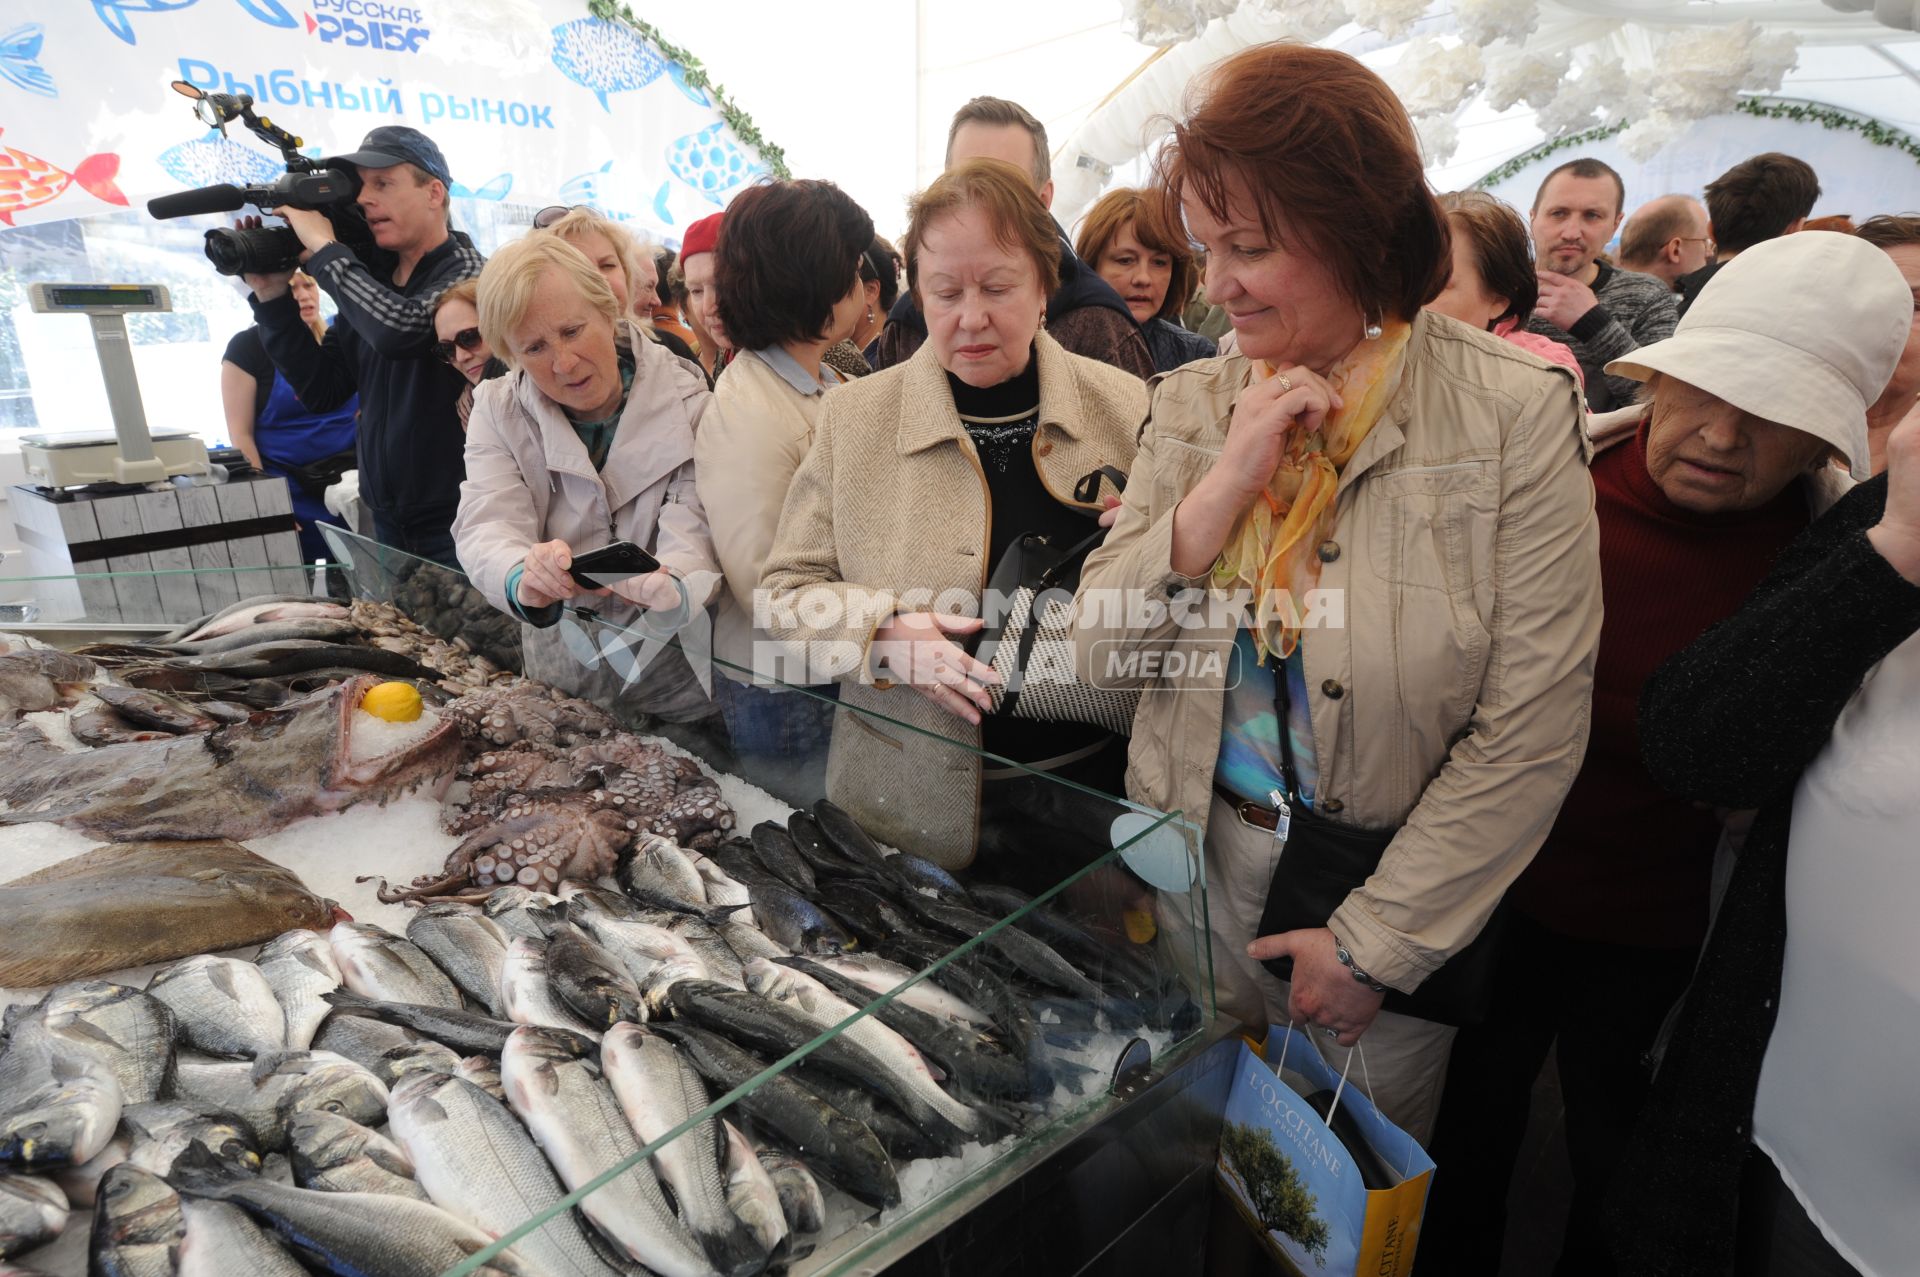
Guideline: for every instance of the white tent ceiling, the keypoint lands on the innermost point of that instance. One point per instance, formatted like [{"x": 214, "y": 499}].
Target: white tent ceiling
[{"x": 861, "y": 90}]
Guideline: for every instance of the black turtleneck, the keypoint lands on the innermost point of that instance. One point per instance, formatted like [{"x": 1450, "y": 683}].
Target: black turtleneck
[{"x": 1001, "y": 421}]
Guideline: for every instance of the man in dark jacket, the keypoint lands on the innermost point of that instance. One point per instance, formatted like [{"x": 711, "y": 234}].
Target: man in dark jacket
[
  {"x": 1758, "y": 199},
  {"x": 1085, "y": 314},
  {"x": 410, "y": 441}
]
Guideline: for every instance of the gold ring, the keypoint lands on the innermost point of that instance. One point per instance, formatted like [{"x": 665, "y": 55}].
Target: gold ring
[{"x": 1286, "y": 383}]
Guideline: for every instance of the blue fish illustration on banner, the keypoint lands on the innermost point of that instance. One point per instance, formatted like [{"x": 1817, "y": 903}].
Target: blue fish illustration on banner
[
  {"x": 208, "y": 160},
  {"x": 660, "y": 209},
  {"x": 585, "y": 188},
  {"x": 494, "y": 189},
  {"x": 679, "y": 76},
  {"x": 20, "y": 60},
  {"x": 604, "y": 57},
  {"x": 114, "y": 13},
  {"x": 710, "y": 162}
]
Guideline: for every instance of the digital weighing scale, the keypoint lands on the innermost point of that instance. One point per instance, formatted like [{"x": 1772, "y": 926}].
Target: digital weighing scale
[{"x": 131, "y": 454}]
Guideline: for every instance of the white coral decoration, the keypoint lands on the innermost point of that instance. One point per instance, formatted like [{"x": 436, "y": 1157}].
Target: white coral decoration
[
  {"x": 1390, "y": 18},
  {"x": 1602, "y": 83},
  {"x": 1482, "y": 22},
  {"x": 1308, "y": 20},
  {"x": 1700, "y": 72},
  {"x": 1433, "y": 78},
  {"x": 1645, "y": 137},
  {"x": 1439, "y": 138},
  {"x": 1162, "y": 22},
  {"x": 1520, "y": 75}
]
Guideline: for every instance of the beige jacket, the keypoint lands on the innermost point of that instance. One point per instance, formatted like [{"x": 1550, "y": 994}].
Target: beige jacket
[
  {"x": 1451, "y": 685},
  {"x": 750, "y": 443},
  {"x": 529, "y": 479},
  {"x": 889, "y": 514}
]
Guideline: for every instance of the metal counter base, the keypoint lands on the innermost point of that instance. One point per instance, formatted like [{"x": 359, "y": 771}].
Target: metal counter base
[{"x": 1126, "y": 1190}]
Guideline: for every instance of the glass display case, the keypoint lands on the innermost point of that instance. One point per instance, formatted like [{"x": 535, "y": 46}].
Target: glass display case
[{"x": 939, "y": 1034}]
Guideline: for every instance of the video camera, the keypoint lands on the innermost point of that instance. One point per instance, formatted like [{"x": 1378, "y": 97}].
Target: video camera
[{"x": 307, "y": 184}]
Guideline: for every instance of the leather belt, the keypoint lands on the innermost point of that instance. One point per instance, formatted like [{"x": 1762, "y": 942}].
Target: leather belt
[{"x": 1256, "y": 815}]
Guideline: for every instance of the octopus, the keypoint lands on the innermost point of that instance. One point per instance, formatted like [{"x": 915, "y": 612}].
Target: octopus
[
  {"x": 503, "y": 716},
  {"x": 538, "y": 840}
]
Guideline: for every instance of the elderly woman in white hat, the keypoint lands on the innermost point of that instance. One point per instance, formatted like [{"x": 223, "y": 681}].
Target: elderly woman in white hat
[
  {"x": 1767, "y": 377},
  {"x": 1781, "y": 1131}
]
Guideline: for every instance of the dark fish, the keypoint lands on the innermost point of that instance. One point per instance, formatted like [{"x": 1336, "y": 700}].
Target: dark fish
[
  {"x": 844, "y": 832},
  {"x": 1031, "y": 957},
  {"x": 138, "y": 1225},
  {"x": 782, "y": 859},
  {"x": 916, "y": 874},
  {"x": 841, "y": 1149},
  {"x": 146, "y": 708},
  {"x": 591, "y": 981},
  {"x": 874, "y": 914},
  {"x": 40, "y": 679},
  {"x": 738, "y": 859},
  {"x": 298, "y": 656},
  {"x": 320, "y": 629},
  {"x": 819, "y": 853},
  {"x": 904, "y": 1141},
  {"x": 1107, "y": 961},
  {"x": 796, "y": 921},
  {"x": 101, "y": 726},
  {"x": 462, "y": 1030},
  {"x": 974, "y": 1063}
]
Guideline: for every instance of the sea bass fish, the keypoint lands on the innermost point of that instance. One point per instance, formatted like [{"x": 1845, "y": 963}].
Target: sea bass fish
[
  {"x": 130, "y": 904},
  {"x": 477, "y": 1161},
  {"x": 222, "y": 1006},
  {"x": 377, "y": 964},
  {"x": 465, "y": 944},
  {"x": 33, "y": 1211},
  {"x": 338, "y": 1155},
  {"x": 657, "y": 1090},
  {"x": 299, "y": 967},
  {"x": 239, "y": 781},
  {"x": 270, "y": 1091},
  {"x": 223, "y": 1241},
  {"x": 554, "y": 1083},
  {"x": 138, "y": 1226},
  {"x": 125, "y": 1029}
]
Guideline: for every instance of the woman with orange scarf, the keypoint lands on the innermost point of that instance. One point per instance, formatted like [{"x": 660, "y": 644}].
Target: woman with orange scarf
[{"x": 1371, "y": 532}]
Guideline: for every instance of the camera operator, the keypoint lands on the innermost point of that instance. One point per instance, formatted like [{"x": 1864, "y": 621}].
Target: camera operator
[{"x": 410, "y": 441}]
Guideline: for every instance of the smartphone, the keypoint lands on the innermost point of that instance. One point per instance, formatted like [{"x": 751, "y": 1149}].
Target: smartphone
[{"x": 596, "y": 569}]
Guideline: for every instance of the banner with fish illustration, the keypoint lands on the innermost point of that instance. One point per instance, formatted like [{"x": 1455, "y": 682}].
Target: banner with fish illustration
[{"x": 534, "y": 102}]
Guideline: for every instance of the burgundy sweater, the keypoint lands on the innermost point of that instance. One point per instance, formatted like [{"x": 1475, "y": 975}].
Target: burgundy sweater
[{"x": 1626, "y": 861}]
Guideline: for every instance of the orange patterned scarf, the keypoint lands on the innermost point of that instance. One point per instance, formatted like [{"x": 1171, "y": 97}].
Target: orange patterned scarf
[{"x": 1271, "y": 550}]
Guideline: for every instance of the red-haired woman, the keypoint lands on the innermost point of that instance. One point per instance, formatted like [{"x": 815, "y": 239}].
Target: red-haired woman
[
  {"x": 1126, "y": 239},
  {"x": 1405, "y": 502}
]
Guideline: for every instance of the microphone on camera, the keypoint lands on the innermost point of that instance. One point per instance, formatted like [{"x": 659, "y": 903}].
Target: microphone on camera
[{"x": 224, "y": 198}]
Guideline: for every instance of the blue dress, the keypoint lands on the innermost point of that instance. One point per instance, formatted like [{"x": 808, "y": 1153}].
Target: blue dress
[{"x": 289, "y": 434}]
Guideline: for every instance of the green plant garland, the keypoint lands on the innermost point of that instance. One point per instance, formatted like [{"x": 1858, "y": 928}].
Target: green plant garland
[
  {"x": 1522, "y": 160},
  {"x": 1800, "y": 112},
  {"x": 1830, "y": 117},
  {"x": 739, "y": 121}
]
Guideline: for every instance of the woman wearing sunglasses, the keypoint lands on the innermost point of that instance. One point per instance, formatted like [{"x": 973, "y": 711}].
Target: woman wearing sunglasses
[{"x": 456, "y": 329}]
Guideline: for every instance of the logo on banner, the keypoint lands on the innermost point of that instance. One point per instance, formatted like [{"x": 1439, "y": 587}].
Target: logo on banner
[{"x": 368, "y": 24}]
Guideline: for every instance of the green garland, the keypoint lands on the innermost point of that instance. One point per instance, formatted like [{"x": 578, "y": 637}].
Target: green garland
[
  {"x": 1522, "y": 160},
  {"x": 1830, "y": 117},
  {"x": 739, "y": 121},
  {"x": 1827, "y": 117}
]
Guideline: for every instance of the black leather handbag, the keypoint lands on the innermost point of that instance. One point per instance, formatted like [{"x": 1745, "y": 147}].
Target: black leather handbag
[{"x": 1321, "y": 862}]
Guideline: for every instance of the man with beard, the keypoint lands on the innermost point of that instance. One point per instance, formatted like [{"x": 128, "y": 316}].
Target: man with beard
[{"x": 1599, "y": 311}]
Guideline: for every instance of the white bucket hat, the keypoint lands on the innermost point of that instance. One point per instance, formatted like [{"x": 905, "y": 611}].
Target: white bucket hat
[{"x": 1805, "y": 330}]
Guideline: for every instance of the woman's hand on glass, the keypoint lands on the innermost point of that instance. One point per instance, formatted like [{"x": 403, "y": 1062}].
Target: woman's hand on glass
[
  {"x": 1897, "y": 535},
  {"x": 1323, "y": 991},
  {"x": 543, "y": 576},
  {"x": 1264, "y": 421},
  {"x": 913, "y": 648}
]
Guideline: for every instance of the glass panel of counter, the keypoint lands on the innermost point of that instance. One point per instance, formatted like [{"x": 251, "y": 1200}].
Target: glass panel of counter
[
  {"x": 146, "y": 600},
  {"x": 901, "y": 989}
]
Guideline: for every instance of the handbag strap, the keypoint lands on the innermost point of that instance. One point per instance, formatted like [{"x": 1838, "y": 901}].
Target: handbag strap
[
  {"x": 1087, "y": 491},
  {"x": 1283, "y": 708}
]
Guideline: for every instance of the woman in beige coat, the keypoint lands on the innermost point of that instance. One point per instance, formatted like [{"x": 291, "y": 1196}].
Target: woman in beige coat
[
  {"x": 919, "y": 478},
  {"x": 589, "y": 440},
  {"x": 1405, "y": 501}
]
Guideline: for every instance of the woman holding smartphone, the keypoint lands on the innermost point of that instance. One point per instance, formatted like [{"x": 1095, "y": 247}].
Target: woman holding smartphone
[{"x": 586, "y": 442}]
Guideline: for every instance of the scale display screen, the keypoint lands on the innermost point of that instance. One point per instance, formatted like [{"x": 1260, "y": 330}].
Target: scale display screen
[{"x": 75, "y": 296}]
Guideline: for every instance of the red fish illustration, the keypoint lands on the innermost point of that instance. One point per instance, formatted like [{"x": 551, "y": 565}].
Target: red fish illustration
[{"x": 27, "y": 181}]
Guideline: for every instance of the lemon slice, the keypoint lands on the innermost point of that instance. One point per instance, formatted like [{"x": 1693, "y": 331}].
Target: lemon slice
[{"x": 395, "y": 702}]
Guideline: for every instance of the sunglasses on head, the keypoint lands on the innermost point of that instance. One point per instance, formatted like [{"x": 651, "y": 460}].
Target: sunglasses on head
[
  {"x": 551, "y": 214},
  {"x": 465, "y": 339}
]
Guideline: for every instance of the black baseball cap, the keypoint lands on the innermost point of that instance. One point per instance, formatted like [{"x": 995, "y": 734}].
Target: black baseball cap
[{"x": 392, "y": 144}]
